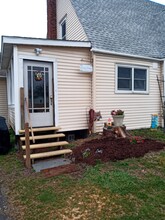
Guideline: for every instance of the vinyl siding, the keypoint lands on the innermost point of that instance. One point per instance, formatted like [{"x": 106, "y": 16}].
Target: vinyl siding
[
  {"x": 11, "y": 112},
  {"x": 3, "y": 98},
  {"x": 138, "y": 107},
  {"x": 74, "y": 88},
  {"x": 74, "y": 29}
]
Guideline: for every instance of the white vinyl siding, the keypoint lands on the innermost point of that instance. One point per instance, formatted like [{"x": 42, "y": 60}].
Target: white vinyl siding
[
  {"x": 74, "y": 88},
  {"x": 74, "y": 29},
  {"x": 3, "y": 98},
  {"x": 137, "y": 107}
]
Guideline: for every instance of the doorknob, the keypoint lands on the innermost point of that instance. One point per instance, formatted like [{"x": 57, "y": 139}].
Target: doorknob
[{"x": 51, "y": 99}]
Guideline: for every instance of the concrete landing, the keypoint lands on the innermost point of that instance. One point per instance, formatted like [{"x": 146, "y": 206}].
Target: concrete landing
[{"x": 50, "y": 163}]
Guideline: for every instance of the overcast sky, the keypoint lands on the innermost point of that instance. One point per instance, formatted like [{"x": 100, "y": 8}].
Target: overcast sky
[{"x": 26, "y": 18}]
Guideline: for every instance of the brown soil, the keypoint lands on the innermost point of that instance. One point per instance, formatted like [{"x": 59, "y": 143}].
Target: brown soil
[
  {"x": 60, "y": 170},
  {"x": 112, "y": 149}
]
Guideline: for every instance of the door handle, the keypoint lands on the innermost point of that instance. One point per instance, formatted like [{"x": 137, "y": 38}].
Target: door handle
[{"x": 51, "y": 99}]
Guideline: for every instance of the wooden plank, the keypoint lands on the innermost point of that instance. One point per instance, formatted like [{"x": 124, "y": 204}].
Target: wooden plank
[
  {"x": 39, "y": 137},
  {"x": 41, "y": 129},
  {"x": 46, "y": 145},
  {"x": 27, "y": 142},
  {"x": 22, "y": 107},
  {"x": 49, "y": 154},
  {"x": 31, "y": 129}
]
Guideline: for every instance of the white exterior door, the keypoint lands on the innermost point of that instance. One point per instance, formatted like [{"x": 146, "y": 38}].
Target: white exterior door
[{"x": 38, "y": 93}]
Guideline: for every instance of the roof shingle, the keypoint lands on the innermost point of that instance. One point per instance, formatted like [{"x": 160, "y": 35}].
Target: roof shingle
[{"x": 134, "y": 27}]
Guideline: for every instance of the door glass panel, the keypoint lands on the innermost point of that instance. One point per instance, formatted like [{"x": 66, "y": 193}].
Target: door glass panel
[
  {"x": 30, "y": 89},
  {"x": 47, "y": 88},
  {"x": 38, "y": 89}
]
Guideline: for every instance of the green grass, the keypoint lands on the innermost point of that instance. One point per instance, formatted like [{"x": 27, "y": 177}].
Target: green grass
[
  {"x": 132, "y": 189},
  {"x": 12, "y": 138},
  {"x": 157, "y": 134}
]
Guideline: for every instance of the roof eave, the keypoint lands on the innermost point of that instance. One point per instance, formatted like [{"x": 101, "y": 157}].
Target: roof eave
[
  {"x": 96, "y": 50},
  {"x": 8, "y": 43}
]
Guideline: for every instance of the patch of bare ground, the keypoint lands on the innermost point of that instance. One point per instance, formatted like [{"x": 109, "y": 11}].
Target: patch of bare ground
[{"x": 111, "y": 148}]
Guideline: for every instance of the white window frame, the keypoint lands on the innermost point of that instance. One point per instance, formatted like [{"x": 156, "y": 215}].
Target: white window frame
[
  {"x": 61, "y": 23},
  {"x": 132, "y": 91}
]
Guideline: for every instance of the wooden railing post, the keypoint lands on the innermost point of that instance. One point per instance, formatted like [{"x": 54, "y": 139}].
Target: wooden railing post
[
  {"x": 27, "y": 143},
  {"x": 22, "y": 107}
]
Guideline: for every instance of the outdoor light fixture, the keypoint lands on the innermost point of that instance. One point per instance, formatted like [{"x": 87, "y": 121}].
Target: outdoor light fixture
[{"x": 37, "y": 51}]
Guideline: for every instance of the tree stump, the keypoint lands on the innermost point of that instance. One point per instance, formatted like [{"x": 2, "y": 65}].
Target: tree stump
[{"x": 116, "y": 131}]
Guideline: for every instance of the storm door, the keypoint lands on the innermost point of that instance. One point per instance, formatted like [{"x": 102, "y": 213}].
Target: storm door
[{"x": 38, "y": 93}]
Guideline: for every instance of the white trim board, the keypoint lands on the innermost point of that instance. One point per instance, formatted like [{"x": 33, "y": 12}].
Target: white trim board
[
  {"x": 44, "y": 42},
  {"x": 21, "y": 58}
]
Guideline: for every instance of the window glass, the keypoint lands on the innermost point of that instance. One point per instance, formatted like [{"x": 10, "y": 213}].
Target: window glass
[
  {"x": 63, "y": 30},
  {"x": 124, "y": 78},
  {"x": 140, "y": 73},
  {"x": 140, "y": 76}
]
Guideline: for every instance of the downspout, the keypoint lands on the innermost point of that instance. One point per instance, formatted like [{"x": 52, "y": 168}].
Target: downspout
[
  {"x": 164, "y": 92},
  {"x": 94, "y": 88}
]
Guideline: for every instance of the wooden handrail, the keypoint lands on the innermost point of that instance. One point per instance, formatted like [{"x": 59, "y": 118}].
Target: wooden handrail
[
  {"x": 22, "y": 107},
  {"x": 27, "y": 108},
  {"x": 27, "y": 142}
]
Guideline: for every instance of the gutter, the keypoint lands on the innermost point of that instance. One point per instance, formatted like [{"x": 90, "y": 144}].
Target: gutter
[
  {"x": 43, "y": 42},
  {"x": 124, "y": 54}
]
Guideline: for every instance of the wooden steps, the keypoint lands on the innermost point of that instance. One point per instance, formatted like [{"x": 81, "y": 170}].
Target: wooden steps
[
  {"x": 49, "y": 154},
  {"x": 45, "y": 139},
  {"x": 46, "y": 145},
  {"x": 40, "y": 137},
  {"x": 42, "y": 129}
]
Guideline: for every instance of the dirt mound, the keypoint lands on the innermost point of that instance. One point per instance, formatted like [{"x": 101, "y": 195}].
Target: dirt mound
[{"x": 111, "y": 148}]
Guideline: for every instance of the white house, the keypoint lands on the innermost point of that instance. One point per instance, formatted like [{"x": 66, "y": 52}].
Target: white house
[{"x": 101, "y": 54}]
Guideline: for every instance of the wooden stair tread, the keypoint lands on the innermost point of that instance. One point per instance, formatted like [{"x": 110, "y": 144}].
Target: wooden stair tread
[
  {"x": 46, "y": 145},
  {"x": 41, "y": 129},
  {"x": 39, "y": 137},
  {"x": 49, "y": 154}
]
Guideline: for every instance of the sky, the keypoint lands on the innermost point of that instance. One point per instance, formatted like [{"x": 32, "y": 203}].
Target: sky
[{"x": 26, "y": 18}]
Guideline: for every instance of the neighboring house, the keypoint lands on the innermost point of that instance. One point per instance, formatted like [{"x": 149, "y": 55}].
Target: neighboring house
[
  {"x": 3, "y": 95},
  {"x": 123, "y": 40}
]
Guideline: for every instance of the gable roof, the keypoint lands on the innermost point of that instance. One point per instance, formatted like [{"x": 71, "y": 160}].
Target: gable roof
[{"x": 134, "y": 27}]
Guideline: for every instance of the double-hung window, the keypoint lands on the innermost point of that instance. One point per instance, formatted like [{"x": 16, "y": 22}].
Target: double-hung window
[
  {"x": 132, "y": 79},
  {"x": 63, "y": 29}
]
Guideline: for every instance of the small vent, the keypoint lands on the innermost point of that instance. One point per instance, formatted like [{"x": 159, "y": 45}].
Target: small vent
[{"x": 71, "y": 137}]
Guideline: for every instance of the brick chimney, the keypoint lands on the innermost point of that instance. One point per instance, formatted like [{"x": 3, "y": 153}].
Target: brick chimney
[{"x": 51, "y": 20}]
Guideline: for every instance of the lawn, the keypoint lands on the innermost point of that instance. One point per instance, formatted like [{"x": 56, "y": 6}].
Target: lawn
[{"x": 130, "y": 189}]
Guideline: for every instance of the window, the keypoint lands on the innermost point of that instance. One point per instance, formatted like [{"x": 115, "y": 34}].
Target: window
[
  {"x": 132, "y": 79},
  {"x": 63, "y": 29},
  {"x": 10, "y": 85}
]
